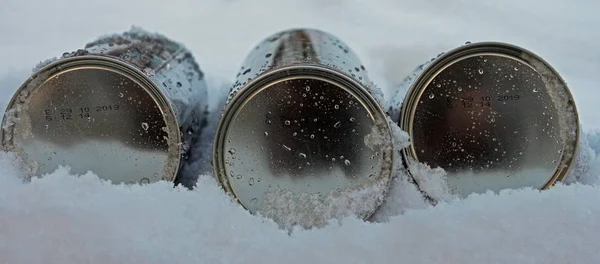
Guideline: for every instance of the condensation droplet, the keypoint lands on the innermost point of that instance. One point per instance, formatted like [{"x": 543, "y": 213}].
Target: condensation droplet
[
  {"x": 431, "y": 96},
  {"x": 238, "y": 177},
  {"x": 287, "y": 148},
  {"x": 480, "y": 71},
  {"x": 287, "y": 122},
  {"x": 251, "y": 181},
  {"x": 121, "y": 95},
  {"x": 337, "y": 124},
  {"x": 312, "y": 136},
  {"x": 232, "y": 151},
  {"x": 302, "y": 155},
  {"x": 145, "y": 126},
  {"x": 336, "y": 106},
  {"x": 352, "y": 119},
  {"x": 347, "y": 162},
  {"x": 266, "y": 133}
]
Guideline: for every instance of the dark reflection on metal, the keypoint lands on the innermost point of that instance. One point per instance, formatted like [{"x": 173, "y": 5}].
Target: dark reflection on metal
[
  {"x": 307, "y": 126},
  {"x": 301, "y": 118},
  {"x": 92, "y": 103},
  {"x": 496, "y": 119},
  {"x": 493, "y": 116}
]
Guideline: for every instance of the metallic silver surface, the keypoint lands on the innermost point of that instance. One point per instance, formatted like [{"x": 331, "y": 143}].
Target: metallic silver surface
[
  {"x": 494, "y": 116},
  {"x": 301, "y": 118},
  {"x": 126, "y": 107}
]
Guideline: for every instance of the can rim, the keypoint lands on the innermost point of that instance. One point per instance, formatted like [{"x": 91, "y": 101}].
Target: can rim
[
  {"x": 144, "y": 81},
  {"x": 312, "y": 70},
  {"x": 511, "y": 51}
]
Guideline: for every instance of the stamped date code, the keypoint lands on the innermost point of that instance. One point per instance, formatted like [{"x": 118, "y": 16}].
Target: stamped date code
[{"x": 77, "y": 113}]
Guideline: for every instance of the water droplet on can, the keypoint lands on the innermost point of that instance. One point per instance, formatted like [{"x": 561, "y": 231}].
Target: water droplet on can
[{"x": 254, "y": 201}]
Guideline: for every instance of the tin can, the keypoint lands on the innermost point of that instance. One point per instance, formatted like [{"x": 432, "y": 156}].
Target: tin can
[
  {"x": 126, "y": 107},
  {"x": 301, "y": 128},
  {"x": 493, "y": 115}
]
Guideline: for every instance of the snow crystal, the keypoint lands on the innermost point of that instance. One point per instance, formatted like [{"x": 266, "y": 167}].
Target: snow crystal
[
  {"x": 594, "y": 141},
  {"x": 581, "y": 168},
  {"x": 561, "y": 98},
  {"x": 290, "y": 209},
  {"x": 43, "y": 64},
  {"x": 404, "y": 193}
]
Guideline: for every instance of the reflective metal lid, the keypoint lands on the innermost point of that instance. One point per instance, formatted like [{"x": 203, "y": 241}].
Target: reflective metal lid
[
  {"x": 93, "y": 113},
  {"x": 494, "y": 116},
  {"x": 301, "y": 134}
]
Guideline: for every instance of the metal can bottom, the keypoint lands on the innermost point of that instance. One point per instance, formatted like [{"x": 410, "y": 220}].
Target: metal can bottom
[
  {"x": 94, "y": 113},
  {"x": 494, "y": 116}
]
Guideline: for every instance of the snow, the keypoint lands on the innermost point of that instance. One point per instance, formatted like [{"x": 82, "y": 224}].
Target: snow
[{"x": 63, "y": 218}]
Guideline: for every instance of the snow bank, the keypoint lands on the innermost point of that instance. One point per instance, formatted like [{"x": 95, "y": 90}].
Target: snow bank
[{"x": 63, "y": 218}]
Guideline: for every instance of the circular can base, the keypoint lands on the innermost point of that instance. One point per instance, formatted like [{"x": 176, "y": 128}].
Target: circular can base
[{"x": 93, "y": 113}]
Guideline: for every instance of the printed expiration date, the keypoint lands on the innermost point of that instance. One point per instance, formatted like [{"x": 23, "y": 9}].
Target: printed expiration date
[
  {"x": 483, "y": 101},
  {"x": 73, "y": 113}
]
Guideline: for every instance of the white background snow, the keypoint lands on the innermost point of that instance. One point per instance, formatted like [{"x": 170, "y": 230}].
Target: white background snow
[{"x": 64, "y": 219}]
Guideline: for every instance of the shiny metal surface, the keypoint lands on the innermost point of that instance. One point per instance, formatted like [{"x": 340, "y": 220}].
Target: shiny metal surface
[
  {"x": 494, "y": 117},
  {"x": 94, "y": 118},
  {"x": 297, "y": 124},
  {"x": 127, "y": 108}
]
